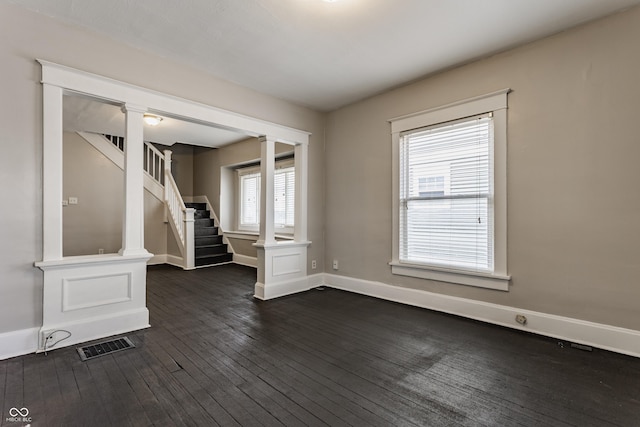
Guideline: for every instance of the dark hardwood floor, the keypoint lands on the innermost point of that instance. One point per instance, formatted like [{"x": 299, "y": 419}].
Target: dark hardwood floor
[{"x": 215, "y": 356}]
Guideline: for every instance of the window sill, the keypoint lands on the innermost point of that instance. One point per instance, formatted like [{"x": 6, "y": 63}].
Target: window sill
[
  {"x": 253, "y": 235},
  {"x": 470, "y": 278}
]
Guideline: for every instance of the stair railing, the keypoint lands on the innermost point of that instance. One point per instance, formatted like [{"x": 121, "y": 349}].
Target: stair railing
[
  {"x": 180, "y": 217},
  {"x": 154, "y": 163}
]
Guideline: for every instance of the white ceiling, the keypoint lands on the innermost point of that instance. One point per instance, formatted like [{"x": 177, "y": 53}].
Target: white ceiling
[
  {"x": 88, "y": 115},
  {"x": 319, "y": 54}
]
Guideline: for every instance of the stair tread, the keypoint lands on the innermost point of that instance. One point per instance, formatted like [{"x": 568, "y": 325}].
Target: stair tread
[{"x": 211, "y": 259}]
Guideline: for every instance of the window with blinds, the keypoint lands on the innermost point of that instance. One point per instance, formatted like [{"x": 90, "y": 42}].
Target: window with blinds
[
  {"x": 446, "y": 195},
  {"x": 284, "y": 198},
  {"x": 284, "y": 191},
  {"x": 250, "y": 200}
]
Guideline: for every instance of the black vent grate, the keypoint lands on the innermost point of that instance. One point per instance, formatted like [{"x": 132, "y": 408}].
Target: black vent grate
[{"x": 105, "y": 347}]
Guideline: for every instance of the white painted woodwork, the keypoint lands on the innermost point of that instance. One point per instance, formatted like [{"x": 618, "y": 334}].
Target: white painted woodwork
[
  {"x": 52, "y": 172},
  {"x": 94, "y": 296},
  {"x": 180, "y": 218},
  {"x": 164, "y": 104},
  {"x": 301, "y": 158},
  {"x": 282, "y": 269},
  {"x": 189, "y": 242},
  {"x": 496, "y": 103},
  {"x": 267, "y": 171},
  {"x": 100, "y": 295},
  {"x": 133, "y": 224},
  {"x": 282, "y": 265}
]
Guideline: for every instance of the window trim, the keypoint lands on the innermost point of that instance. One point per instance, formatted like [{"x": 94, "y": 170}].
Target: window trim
[
  {"x": 242, "y": 172},
  {"x": 284, "y": 232},
  {"x": 496, "y": 103}
]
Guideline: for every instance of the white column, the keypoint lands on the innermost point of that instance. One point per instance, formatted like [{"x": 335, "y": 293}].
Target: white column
[
  {"x": 302, "y": 174},
  {"x": 267, "y": 171},
  {"x": 52, "y": 173},
  {"x": 133, "y": 224}
]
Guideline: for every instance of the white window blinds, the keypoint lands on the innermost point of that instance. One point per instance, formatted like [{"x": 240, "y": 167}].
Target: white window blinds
[
  {"x": 284, "y": 198},
  {"x": 284, "y": 190},
  {"x": 446, "y": 195},
  {"x": 250, "y": 196}
]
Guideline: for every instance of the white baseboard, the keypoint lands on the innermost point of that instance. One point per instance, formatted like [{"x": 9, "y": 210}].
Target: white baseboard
[
  {"x": 18, "y": 343},
  {"x": 245, "y": 260},
  {"x": 612, "y": 338},
  {"x": 101, "y": 327},
  {"x": 174, "y": 260},
  {"x": 288, "y": 287},
  {"x": 157, "y": 259},
  {"x": 620, "y": 340}
]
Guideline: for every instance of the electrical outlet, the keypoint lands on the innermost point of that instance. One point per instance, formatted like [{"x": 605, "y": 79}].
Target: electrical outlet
[
  {"x": 100, "y": 251},
  {"x": 335, "y": 264},
  {"x": 314, "y": 265},
  {"x": 521, "y": 319},
  {"x": 73, "y": 200}
]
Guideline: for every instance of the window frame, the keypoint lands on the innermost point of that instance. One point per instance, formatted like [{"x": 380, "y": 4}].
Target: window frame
[
  {"x": 495, "y": 103},
  {"x": 255, "y": 170},
  {"x": 242, "y": 173}
]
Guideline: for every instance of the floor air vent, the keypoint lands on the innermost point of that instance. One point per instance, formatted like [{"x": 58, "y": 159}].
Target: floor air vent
[{"x": 105, "y": 347}]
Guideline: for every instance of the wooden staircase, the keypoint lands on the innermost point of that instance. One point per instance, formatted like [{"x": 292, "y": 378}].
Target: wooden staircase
[{"x": 209, "y": 247}]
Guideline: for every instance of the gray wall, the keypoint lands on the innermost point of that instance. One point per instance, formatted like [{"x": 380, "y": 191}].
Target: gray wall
[
  {"x": 182, "y": 167},
  {"x": 573, "y": 148},
  {"x": 25, "y": 36},
  {"x": 96, "y": 221}
]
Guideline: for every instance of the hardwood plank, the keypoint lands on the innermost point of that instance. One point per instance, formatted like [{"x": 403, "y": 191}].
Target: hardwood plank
[
  {"x": 172, "y": 408},
  {"x": 13, "y": 386},
  {"x": 215, "y": 356}
]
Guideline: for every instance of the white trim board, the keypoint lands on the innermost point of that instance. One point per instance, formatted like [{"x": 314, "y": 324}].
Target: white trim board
[
  {"x": 97, "y": 86},
  {"x": 612, "y": 338},
  {"x": 245, "y": 260},
  {"x": 288, "y": 287},
  {"x": 18, "y": 343}
]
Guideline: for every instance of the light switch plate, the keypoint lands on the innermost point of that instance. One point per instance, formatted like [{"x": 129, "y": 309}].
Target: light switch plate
[{"x": 73, "y": 200}]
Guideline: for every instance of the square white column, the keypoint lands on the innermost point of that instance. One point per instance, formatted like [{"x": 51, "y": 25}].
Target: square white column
[
  {"x": 302, "y": 174},
  {"x": 133, "y": 224},
  {"x": 267, "y": 172},
  {"x": 52, "y": 173}
]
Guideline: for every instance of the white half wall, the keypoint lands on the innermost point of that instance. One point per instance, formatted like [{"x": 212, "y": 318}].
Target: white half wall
[{"x": 93, "y": 297}]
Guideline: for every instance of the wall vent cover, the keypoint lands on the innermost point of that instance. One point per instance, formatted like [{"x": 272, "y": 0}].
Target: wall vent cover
[{"x": 104, "y": 347}]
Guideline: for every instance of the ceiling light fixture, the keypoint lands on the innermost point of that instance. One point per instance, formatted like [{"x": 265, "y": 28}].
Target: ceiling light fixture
[{"x": 151, "y": 119}]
